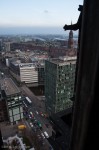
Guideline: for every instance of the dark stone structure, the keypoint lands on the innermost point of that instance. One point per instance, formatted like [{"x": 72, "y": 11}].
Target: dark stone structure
[
  {"x": 75, "y": 27},
  {"x": 85, "y": 128},
  {"x": 61, "y": 124}
]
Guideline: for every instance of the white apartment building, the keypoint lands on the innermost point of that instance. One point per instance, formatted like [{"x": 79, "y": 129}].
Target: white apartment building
[{"x": 28, "y": 73}]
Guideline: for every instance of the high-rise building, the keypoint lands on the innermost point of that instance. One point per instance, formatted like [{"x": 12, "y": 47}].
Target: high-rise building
[
  {"x": 12, "y": 95},
  {"x": 59, "y": 83}
]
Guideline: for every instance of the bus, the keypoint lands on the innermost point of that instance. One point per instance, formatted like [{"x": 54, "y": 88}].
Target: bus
[{"x": 28, "y": 101}]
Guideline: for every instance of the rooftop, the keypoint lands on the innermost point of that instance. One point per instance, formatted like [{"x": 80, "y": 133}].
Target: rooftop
[
  {"x": 9, "y": 86},
  {"x": 63, "y": 60},
  {"x": 21, "y": 65}
]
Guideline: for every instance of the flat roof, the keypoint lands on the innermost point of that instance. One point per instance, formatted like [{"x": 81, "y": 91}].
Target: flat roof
[
  {"x": 27, "y": 65},
  {"x": 9, "y": 86},
  {"x": 63, "y": 60}
]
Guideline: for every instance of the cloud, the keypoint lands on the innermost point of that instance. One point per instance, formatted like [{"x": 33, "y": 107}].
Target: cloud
[{"x": 46, "y": 11}]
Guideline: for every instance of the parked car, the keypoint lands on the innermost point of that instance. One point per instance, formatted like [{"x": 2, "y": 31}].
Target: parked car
[
  {"x": 43, "y": 135},
  {"x": 37, "y": 112},
  {"x": 31, "y": 124}
]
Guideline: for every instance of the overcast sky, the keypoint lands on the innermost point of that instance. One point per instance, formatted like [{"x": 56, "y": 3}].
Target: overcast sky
[{"x": 37, "y": 14}]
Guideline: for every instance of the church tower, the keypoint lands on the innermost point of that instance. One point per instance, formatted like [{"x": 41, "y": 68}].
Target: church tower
[{"x": 70, "y": 40}]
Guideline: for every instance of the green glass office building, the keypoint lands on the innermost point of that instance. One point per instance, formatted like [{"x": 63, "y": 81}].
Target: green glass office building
[{"x": 59, "y": 83}]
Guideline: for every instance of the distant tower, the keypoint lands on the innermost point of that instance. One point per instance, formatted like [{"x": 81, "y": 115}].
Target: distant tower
[
  {"x": 70, "y": 40},
  {"x": 7, "y": 46}
]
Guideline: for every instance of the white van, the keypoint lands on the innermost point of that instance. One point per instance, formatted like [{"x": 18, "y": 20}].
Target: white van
[{"x": 46, "y": 134}]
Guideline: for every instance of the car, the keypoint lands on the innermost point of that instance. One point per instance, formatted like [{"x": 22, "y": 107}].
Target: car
[
  {"x": 32, "y": 115},
  {"x": 35, "y": 120},
  {"x": 43, "y": 135},
  {"x": 29, "y": 116},
  {"x": 39, "y": 124},
  {"x": 31, "y": 124},
  {"x": 31, "y": 112},
  {"x": 45, "y": 115},
  {"x": 37, "y": 112},
  {"x": 41, "y": 114}
]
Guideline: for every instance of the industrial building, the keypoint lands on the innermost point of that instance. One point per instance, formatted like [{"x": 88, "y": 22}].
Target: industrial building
[
  {"x": 59, "y": 83},
  {"x": 12, "y": 95}
]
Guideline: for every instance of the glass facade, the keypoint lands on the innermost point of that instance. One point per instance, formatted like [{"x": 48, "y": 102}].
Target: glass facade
[
  {"x": 41, "y": 75},
  {"x": 59, "y": 85},
  {"x": 15, "y": 110}
]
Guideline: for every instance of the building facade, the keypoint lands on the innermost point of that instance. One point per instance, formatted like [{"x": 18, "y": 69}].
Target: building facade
[
  {"x": 41, "y": 74},
  {"x": 59, "y": 83},
  {"x": 28, "y": 73},
  {"x": 12, "y": 95}
]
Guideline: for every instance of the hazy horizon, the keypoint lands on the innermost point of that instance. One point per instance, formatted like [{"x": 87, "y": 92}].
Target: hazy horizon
[
  {"x": 33, "y": 30},
  {"x": 37, "y": 16}
]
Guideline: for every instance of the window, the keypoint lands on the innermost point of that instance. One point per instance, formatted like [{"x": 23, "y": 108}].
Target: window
[
  {"x": 62, "y": 91},
  {"x": 58, "y": 92},
  {"x": 67, "y": 78}
]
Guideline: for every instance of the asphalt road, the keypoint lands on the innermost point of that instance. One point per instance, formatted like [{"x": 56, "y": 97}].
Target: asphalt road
[
  {"x": 43, "y": 141},
  {"x": 37, "y": 105}
]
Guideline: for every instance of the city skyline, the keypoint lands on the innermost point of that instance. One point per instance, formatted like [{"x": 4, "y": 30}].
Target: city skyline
[{"x": 37, "y": 16}]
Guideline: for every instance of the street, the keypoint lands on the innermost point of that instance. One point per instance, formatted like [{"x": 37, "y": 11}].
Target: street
[{"x": 37, "y": 108}]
